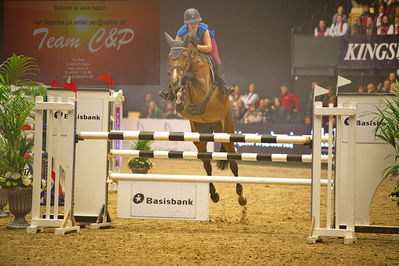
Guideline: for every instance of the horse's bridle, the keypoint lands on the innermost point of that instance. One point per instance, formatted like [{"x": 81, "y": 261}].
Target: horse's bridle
[{"x": 188, "y": 61}]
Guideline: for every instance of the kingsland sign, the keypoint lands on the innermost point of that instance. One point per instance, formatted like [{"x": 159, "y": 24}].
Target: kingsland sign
[{"x": 369, "y": 51}]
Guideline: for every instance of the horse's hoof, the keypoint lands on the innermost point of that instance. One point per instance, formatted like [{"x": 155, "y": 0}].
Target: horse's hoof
[
  {"x": 242, "y": 200},
  {"x": 239, "y": 189},
  {"x": 215, "y": 197}
]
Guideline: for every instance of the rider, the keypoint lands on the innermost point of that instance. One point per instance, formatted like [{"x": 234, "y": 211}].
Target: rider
[{"x": 206, "y": 43}]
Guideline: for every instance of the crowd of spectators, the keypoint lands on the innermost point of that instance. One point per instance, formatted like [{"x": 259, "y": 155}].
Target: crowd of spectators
[
  {"x": 380, "y": 17},
  {"x": 250, "y": 108},
  {"x": 388, "y": 85}
]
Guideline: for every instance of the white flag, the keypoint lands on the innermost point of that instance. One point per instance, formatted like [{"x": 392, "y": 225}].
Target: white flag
[
  {"x": 319, "y": 91},
  {"x": 342, "y": 81}
]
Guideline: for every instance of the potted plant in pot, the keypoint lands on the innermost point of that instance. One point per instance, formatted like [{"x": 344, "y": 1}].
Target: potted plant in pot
[
  {"x": 140, "y": 165},
  {"x": 388, "y": 130},
  {"x": 3, "y": 191},
  {"x": 16, "y": 106}
]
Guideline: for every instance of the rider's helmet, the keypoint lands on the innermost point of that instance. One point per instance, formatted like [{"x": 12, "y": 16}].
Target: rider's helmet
[{"x": 192, "y": 15}]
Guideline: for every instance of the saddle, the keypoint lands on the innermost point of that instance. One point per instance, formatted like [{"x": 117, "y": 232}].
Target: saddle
[{"x": 212, "y": 65}]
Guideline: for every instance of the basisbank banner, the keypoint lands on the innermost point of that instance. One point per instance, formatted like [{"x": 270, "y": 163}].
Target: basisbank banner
[
  {"x": 85, "y": 39},
  {"x": 363, "y": 51}
]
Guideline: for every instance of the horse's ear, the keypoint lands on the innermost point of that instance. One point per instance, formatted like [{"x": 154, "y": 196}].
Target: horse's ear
[{"x": 169, "y": 39}]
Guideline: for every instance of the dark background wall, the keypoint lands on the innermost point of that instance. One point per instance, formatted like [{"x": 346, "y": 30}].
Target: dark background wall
[{"x": 253, "y": 38}]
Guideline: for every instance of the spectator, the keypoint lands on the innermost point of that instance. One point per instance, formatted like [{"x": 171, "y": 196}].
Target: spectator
[
  {"x": 170, "y": 112},
  {"x": 386, "y": 87},
  {"x": 356, "y": 28},
  {"x": 371, "y": 88},
  {"x": 394, "y": 28},
  {"x": 384, "y": 27},
  {"x": 361, "y": 90},
  {"x": 235, "y": 97},
  {"x": 309, "y": 104},
  {"x": 252, "y": 97},
  {"x": 393, "y": 81},
  {"x": 330, "y": 98},
  {"x": 321, "y": 29},
  {"x": 392, "y": 77},
  {"x": 340, "y": 12},
  {"x": 340, "y": 28},
  {"x": 264, "y": 105},
  {"x": 238, "y": 113},
  {"x": 381, "y": 13},
  {"x": 391, "y": 9},
  {"x": 377, "y": 4},
  {"x": 253, "y": 115},
  {"x": 154, "y": 111},
  {"x": 370, "y": 27},
  {"x": 365, "y": 14},
  {"x": 277, "y": 112},
  {"x": 148, "y": 99},
  {"x": 289, "y": 101},
  {"x": 396, "y": 14}
]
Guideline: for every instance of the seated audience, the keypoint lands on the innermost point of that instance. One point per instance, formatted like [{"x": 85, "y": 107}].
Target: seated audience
[
  {"x": 361, "y": 90},
  {"x": 277, "y": 112},
  {"x": 154, "y": 111},
  {"x": 386, "y": 87},
  {"x": 340, "y": 28},
  {"x": 394, "y": 28},
  {"x": 289, "y": 101},
  {"x": 393, "y": 81},
  {"x": 371, "y": 88},
  {"x": 253, "y": 115},
  {"x": 170, "y": 112},
  {"x": 251, "y": 98},
  {"x": 321, "y": 29},
  {"x": 235, "y": 96},
  {"x": 370, "y": 29},
  {"x": 365, "y": 14},
  {"x": 239, "y": 111},
  {"x": 264, "y": 105},
  {"x": 356, "y": 28},
  {"x": 329, "y": 98},
  {"x": 384, "y": 27},
  {"x": 147, "y": 99},
  {"x": 381, "y": 13},
  {"x": 340, "y": 11},
  {"x": 390, "y": 11}
]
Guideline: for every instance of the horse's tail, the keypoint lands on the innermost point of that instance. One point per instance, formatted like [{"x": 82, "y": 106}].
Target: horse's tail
[{"x": 222, "y": 164}]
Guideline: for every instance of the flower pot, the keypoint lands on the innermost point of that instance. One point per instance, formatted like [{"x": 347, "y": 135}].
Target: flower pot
[
  {"x": 139, "y": 170},
  {"x": 20, "y": 203},
  {"x": 3, "y": 202}
]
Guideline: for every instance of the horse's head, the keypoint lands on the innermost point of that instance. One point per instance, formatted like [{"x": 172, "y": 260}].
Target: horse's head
[{"x": 180, "y": 57}]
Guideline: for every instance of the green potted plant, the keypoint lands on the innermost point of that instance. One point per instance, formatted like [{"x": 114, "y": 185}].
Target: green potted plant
[
  {"x": 140, "y": 165},
  {"x": 388, "y": 130},
  {"x": 3, "y": 191},
  {"x": 16, "y": 106}
]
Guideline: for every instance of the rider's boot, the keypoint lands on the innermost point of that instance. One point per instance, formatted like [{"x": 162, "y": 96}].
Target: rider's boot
[
  {"x": 166, "y": 93},
  {"x": 226, "y": 87}
]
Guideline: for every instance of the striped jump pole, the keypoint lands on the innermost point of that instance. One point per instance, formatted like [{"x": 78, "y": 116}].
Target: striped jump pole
[
  {"x": 212, "y": 179},
  {"x": 197, "y": 137},
  {"x": 190, "y": 155}
]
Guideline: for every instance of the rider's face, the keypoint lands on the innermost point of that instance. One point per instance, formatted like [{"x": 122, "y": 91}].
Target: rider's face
[{"x": 193, "y": 26}]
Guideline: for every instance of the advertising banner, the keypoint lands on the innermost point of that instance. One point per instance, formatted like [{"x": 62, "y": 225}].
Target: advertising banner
[
  {"x": 85, "y": 39},
  {"x": 362, "y": 51}
]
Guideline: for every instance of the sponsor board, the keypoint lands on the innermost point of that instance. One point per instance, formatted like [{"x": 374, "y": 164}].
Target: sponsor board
[{"x": 163, "y": 200}]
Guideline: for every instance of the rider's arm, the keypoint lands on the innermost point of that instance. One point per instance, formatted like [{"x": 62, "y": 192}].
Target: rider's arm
[{"x": 206, "y": 47}]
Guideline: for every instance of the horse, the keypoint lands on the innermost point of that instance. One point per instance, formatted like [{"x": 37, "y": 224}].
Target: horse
[{"x": 199, "y": 100}]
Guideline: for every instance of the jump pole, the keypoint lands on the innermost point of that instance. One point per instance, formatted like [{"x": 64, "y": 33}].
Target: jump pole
[
  {"x": 197, "y": 137},
  {"x": 212, "y": 179}
]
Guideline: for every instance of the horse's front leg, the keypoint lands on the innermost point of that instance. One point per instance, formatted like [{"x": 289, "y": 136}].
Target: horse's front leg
[{"x": 201, "y": 147}]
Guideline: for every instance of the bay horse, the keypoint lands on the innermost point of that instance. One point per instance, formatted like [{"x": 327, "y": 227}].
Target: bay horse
[{"x": 200, "y": 101}]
